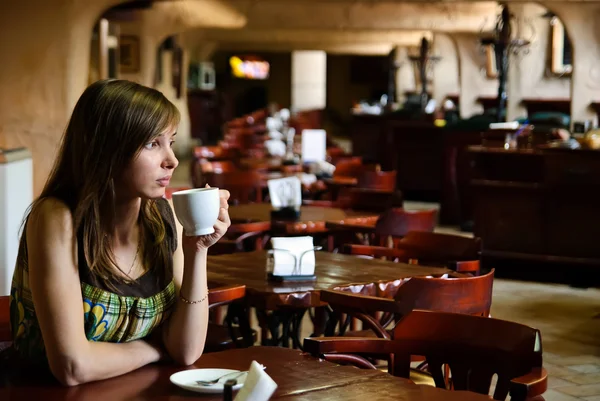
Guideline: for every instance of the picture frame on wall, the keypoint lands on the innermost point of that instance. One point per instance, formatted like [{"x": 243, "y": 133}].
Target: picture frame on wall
[{"x": 129, "y": 54}]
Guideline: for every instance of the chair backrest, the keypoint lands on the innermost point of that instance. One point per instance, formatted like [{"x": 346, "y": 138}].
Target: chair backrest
[
  {"x": 475, "y": 348},
  {"x": 434, "y": 247},
  {"x": 223, "y": 295},
  {"x": 349, "y": 167},
  {"x": 370, "y": 200},
  {"x": 471, "y": 267},
  {"x": 467, "y": 295},
  {"x": 215, "y": 153},
  {"x": 382, "y": 180},
  {"x": 5, "y": 334},
  {"x": 398, "y": 222},
  {"x": 243, "y": 186}
]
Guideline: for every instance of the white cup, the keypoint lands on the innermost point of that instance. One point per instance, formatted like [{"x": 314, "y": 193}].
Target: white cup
[{"x": 197, "y": 210}]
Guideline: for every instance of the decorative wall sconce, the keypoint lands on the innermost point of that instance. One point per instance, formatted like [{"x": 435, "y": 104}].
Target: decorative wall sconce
[
  {"x": 505, "y": 41},
  {"x": 424, "y": 63}
]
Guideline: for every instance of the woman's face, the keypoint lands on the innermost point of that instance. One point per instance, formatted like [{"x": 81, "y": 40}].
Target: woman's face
[{"x": 150, "y": 171}]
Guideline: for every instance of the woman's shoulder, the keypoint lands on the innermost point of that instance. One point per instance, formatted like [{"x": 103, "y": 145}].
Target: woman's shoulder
[{"x": 51, "y": 216}]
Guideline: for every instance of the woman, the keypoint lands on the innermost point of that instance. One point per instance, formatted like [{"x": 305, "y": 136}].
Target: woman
[{"x": 102, "y": 285}]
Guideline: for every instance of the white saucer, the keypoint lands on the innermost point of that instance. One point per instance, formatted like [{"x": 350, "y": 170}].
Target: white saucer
[{"x": 186, "y": 379}]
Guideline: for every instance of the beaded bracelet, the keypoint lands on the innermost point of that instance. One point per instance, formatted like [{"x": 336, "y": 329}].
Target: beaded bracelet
[{"x": 187, "y": 301}]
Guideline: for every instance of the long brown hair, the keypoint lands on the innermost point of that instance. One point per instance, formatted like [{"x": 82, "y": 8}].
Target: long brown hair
[{"x": 111, "y": 122}]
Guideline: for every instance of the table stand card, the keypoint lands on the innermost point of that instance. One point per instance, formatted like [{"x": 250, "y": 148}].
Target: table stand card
[{"x": 292, "y": 259}]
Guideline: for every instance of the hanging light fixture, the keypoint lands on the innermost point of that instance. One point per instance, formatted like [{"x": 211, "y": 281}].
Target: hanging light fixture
[
  {"x": 424, "y": 61},
  {"x": 506, "y": 41}
]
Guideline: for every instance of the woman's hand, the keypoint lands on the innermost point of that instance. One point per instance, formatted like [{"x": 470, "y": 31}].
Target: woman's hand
[{"x": 203, "y": 242}]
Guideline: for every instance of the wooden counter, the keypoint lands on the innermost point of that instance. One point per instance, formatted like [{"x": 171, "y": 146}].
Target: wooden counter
[
  {"x": 427, "y": 158},
  {"x": 539, "y": 204}
]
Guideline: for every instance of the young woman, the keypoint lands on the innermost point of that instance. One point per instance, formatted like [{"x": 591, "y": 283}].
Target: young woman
[{"x": 104, "y": 282}]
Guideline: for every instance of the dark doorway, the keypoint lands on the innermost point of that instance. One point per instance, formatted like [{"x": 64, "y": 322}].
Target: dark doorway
[{"x": 250, "y": 100}]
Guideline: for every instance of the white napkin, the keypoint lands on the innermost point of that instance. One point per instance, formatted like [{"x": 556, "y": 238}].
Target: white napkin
[
  {"x": 307, "y": 179},
  {"x": 275, "y": 147},
  {"x": 285, "y": 192},
  {"x": 275, "y": 135},
  {"x": 293, "y": 256},
  {"x": 259, "y": 386},
  {"x": 272, "y": 124},
  {"x": 314, "y": 144},
  {"x": 322, "y": 167}
]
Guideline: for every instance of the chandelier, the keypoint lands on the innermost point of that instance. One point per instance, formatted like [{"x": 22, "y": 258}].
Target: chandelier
[
  {"x": 424, "y": 62},
  {"x": 507, "y": 34}
]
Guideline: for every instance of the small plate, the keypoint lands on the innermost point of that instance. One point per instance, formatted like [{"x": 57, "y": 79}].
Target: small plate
[{"x": 186, "y": 379}]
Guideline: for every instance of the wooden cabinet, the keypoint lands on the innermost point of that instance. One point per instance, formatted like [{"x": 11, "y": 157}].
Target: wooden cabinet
[
  {"x": 206, "y": 117},
  {"x": 547, "y": 212}
]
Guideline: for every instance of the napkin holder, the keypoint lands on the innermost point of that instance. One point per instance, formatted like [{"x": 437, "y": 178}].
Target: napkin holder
[
  {"x": 296, "y": 273},
  {"x": 286, "y": 213},
  {"x": 228, "y": 390}
]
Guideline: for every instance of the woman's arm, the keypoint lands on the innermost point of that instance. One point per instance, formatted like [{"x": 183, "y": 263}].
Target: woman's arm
[
  {"x": 56, "y": 290},
  {"x": 184, "y": 334}
]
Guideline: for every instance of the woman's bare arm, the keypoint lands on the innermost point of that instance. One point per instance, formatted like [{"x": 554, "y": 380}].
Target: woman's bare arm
[
  {"x": 185, "y": 332},
  {"x": 56, "y": 290}
]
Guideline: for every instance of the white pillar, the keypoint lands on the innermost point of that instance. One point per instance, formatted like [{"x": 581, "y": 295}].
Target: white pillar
[
  {"x": 445, "y": 71},
  {"x": 309, "y": 80},
  {"x": 16, "y": 194},
  {"x": 585, "y": 80}
]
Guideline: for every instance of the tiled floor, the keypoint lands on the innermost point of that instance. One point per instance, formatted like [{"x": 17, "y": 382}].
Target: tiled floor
[
  {"x": 569, "y": 319},
  {"x": 570, "y": 324}
]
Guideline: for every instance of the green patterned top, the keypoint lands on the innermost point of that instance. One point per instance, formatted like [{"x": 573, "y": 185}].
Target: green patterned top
[{"x": 130, "y": 314}]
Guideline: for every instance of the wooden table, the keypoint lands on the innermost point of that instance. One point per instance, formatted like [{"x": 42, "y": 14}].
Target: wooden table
[
  {"x": 299, "y": 377},
  {"x": 283, "y": 305},
  {"x": 312, "y": 219}
]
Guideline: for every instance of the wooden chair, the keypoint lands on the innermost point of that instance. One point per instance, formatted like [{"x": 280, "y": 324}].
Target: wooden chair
[
  {"x": 380, "y": 180},
  {"x": 378, "y": 306},
  {"x": 201, "y": 168},
  {"x": 429, "y": 248},
  {"x": 225, "y": 336},
  {"x": 396, "y": 223},
  {"x": 244, "y": 186},
  {"x": 471, "y": 267},
  {"x": 5, "y": 334},
  {"x": 350, "y": 167},
  {"x": 242, "y": 237},
  {"x": 475, "y": 348},
  {"x": 214, "y": 153}
]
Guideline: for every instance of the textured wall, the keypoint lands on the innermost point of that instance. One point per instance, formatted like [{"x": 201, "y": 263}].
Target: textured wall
[
  {"x": 582, "y": 23},
  {"x": 528, "y": 77},
  {"x": 445, "y": 72},
  {"x": 45, "y": 55},
  {"x": 472, "y": 79}
]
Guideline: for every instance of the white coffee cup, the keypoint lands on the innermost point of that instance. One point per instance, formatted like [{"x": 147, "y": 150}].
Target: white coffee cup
[{"x": 197, "y": 210}]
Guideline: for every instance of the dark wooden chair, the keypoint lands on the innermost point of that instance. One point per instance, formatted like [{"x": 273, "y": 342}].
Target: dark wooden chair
[
  {"x": 214, "y": 153},
  {"x": 5, "y": 334},
  {"x": 406, "y": 256},
  {"x": 474, "y": 348},
  {"x": 243, "y": 186},
  {"x": 242, "y": 237},
  {"x": 429, "y": 248},
  {"x": 396, "y": 223},
  {"x": 225, "y": 336},
  {"x": 380, "y": 180},
  {"x": 377, "y": 306}
]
